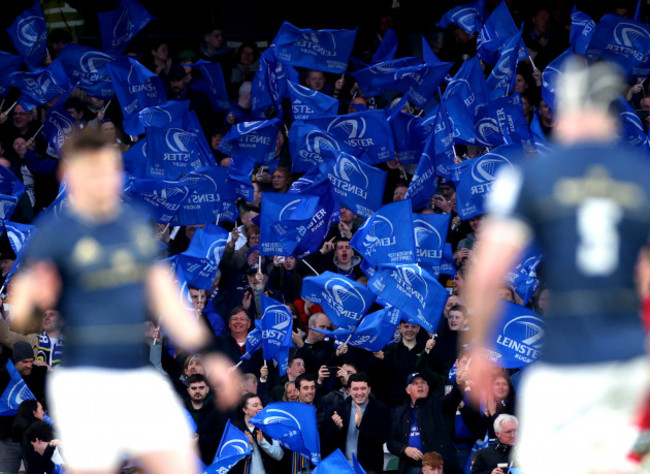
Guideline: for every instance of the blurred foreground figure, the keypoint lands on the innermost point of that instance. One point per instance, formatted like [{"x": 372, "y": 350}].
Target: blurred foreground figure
[
  {"x": 588, "y": 206},
  {"x": 96, "y": 263}
]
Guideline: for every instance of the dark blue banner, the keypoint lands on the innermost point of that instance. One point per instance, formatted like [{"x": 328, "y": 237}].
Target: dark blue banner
[
  {"x": 118, "y": 27},
  {"x": 136, "y": 87},
  {"x": 28, "y": 33},
  {"x": 41, "y": 85},
  {"x": 284, "y": 221},
  {"x": 86, "y": 67},
  {"x": 255, "y": 140},
  {"x": 516, "y": 338},
  {"x": 430, "y": 231},
  {"x": 307, "y": 103}
]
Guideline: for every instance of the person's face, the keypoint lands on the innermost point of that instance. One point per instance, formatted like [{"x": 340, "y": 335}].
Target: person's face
[
  {"x": 257, "y": 194},
  {"x": 409, "y": 331},
  {"x": 459, "y": 283},
  {"x": 249, "y": 386},
  {"x": 51, "y": 320},
  {"x": 279, "y": 181},
  {"x": 315, "y": 80},
  {"x": 296, "y": 368},
  {"x": 198, "y": 298},
  {"x": 447, "y": 191},
  {"x": 451, "y": 301},
  {"x": 346, "y": 370},
  {"x": 247, "y": 56},
  {"x": 20, "y": 146},
  {"x": 431, "y": 470},
  {"x": 215, "y": 140},
  {"x": 194, "y": 367},
  {"x": 289, "y": 263},
  {"x": 39, "y": 446},
  {"x": 24, "y": 367},
  {"x": 96, "y": 180},
  {"x": 500, "y": 388},
  {"x": 343, "y": 252},
  {"x": 239, "y": 323},
  {"x": 506, "y": 294},
  {"x": 508, "y": 433},
  {"x": 253, "y": 257},
  {"x": 5, "y": 265},
  {"x": 399, "y": 193},
  {"x": 526, "y": 105},
  {"x": 253, "y": 239},
  {"x": 360, "y": 392},
  {"x": 161, "y": 53},
  {"x": 645, "y": 103},
  {"x": 214, "y": 38},
  {"x": 253, "y": 407},
  {"x": 323, "y": 323},
  {"x": 20, "y": 117},
  {"x": 39, "y": 412},
  {"x": 520, "y": 84},
  {"x": 108, "y": 131},
  {"x": 456, "y": 321},
  {"x": 177, "y": 87},
  {"x": 198, "y": 391},
  {"x": 543, "y": 300},
  {"x": 254, "y": 281},
  {"x": 291, "y": 392},
  {"x": 545, "y": 111},
  {"x": 542, "y": 21},
  {"x": 417, "y": 389},
  {"x": 475, "y": 223},
  {"x": 347, "y": 215},
  {"x": 307, "y": 392}
]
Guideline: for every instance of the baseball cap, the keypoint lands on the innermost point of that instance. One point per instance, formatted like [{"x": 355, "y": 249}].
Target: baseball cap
[{"x": 414, "y": 376}]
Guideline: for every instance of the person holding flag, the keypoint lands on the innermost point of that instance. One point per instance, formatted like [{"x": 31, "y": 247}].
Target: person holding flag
[
  {"x": 94, "y": 262},
  {"x": 594, "y": 346}
]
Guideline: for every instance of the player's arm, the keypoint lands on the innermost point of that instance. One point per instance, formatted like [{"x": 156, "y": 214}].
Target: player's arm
[{"x": 36, "y": 286}]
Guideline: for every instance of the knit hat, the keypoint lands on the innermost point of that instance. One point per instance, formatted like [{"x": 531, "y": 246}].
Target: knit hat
[{"x": 22, "y": 350}]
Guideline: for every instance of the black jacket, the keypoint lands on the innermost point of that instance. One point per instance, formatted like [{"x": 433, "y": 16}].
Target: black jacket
[
  {"x": 271, "y": 466},
  {"x": 435, "y": 420},
  {"x": 373, "y": 432},
  {"x": 488, "y": 458},
  {"x": 210, "y": 424}
]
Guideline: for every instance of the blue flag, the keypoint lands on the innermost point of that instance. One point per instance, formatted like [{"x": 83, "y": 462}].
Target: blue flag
[
  {"x": 16, "y": 392},
  {"x": 172, "y": 113},
  {"x": 361, "y": 131},
  {"x": 469, "y": 17},
  {"x": 428, "y": 55},
  {"x": 276, "y": 326},
  {"x": 633, "y": 132},
  {"x": 17, "y": 234},
  {"x": 387, "y": 48},
  {"x": 8, "y": 63},
  {"x": 430, "y": 231},
  {"x": 552, "y": 76},
  {"x": 408, "y": 142},
  {"x": 233, "y": 447},
  {"x": 379, "y": 78},
  {"x": 444, "y": 134},
  {"x": 497, "y": 30},
  {"x": 201, "y": 259},
  {"x": 256, "y": 140},
  {"x": 337, "y": 462},
  {"x": 173, "y": 153},
  {"x": 448, "y": 264},
  {"x": 58, "y": 126},
  {"x": 325, "y": 50},
  {"x": 419, "y": 83},
  {"x": 624, "y": 42},
  {"x": 413, "y": 290},
  {"x": 421, "y": 186},
  {"x": 307, "y": 103},
  {"x": 541, "y": 143},
  {"x": 41, "y": 85},
  {"x": 136, "y": 159},
  {"x": 387, "y": 235},
  {"x": 461, "y": 120},
  {"x": 293, "y": 424},
  {"x": 86, "y": 67},
  {"x": 516, "y": 338},
  {"x": 308, "y": 143},
  {"x": 118, "y": 27},
  {"x": 501, "y": 80},
  {"x": 582, "y": 29},
  {"x": 253, "y": 343},
  {"x": 212, "y": 83},
  {"x": 344, "y": 301},
  {"x": 162, "y": 198},
  {"x": 503, "y": 121},
  {"x": 136, "y": 87},
  {"x": 270, "y": 85},
  {"x": 522, "y": 277},
  {"x": 284, "y": 221},
  {"x": 240, "y": 175},
  {"x": 11, "y": 188},
  {"x": 358, "y": 186},
  {"x": 469, "y": 86},
  {"x": 28, "y": 33},
  {"x": 474, "y": 178}
]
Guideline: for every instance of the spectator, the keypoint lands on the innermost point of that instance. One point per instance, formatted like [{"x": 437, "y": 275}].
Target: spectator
[
  {"x": 337, "y": 256},
  {"x": 47, "y": 458},
  {"x": 285, "y": 278},
  {"x": 432, "y": 463},
  {"x": 246, "y": 64},
  {"x": 240, "y": 111},
  {"x": 281, "y": 180},
  {"x": 295, "y": 368},
  {"x": 315, "y": 350},
  {"x": 214, "y": 49},
  {"x": 488, "y": 459},
  {"x": 50, "y": 341}
]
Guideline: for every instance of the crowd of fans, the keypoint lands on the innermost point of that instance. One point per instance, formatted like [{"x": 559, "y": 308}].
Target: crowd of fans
[{"x": 409, "y": 399}]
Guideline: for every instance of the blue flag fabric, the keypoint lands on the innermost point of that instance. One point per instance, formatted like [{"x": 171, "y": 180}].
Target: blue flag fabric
[
  {"x": 270, "y": 85},
  {"x": 503, "y": 121},
  {"x": 541, "y": 143},
  {"x": 344, "y": 301},
  {"x": 324, "y": 50},
  {"x": 308, "y": 143},
  {"x": 255, "y": 140},
  {"x": 582, "y": 29},
  {"x": 136, "y": 87},
  {"x": 408, "y": 142},
  {"x": 11, "y": 188},
  {"x": 162, "y": 198},
  {"x": 448, "y": 264},
  {"x": 173, "y": 153},
  {"x": 501, "y": 80},
  {"x": 276, "y": 326},
  {"x": 387, "y": 48},
  {"x": 284, "y": 221},
  {"x": 522, "y": 277},
  {"x": 86, "y": 67},
  {"x": 16, "y": 392},
  {"x": 233, "y": 447},
  {"x": 469, "y": 86},
  {"x": 136, "y": 159},
  {"x": 337, "y": 462},
  {"x": 361, "y": 131},
  {"x": 240, "y": 175},
  {"x": 253, "y": 343},
  {"x": 552, "y": 76},
  {"x": 516, "y": 338},
  {"x": 41, "y": 85},
  {"x": 212, "y": 83},
  {"x": 442, "y": 141},
  {"x": 469, "y": 17},
  {"x": 58, "y": 126},
  {"x": 201, "y": 259},
  {"x": 461, "y": 119},
  {"x": 421, "y": 187},
  {"x": 9, "y": 63},
  {"x": 497, "y": 30},
  {"x": 293, "y": 424},
  {"x": 413, "y": 290},
  {"x": 430, "y": 231},
  {"x": 474, "y": 178},
  {"x": 419, "y": 83},
  {"x": 173, "y": 113},
  {"x": 633, "y": 132},
  {"x": 28, "y": 33},
  {"x": 358, "y": 186},
  {"x": 387, "y": 235},
  {"x": 624, "y": 42},
  {"x": 17, "y": 234},
  {"x": 373, "y": 333},
  {"x": 307, "y": 103},
  {"x": 118, "y": 27},
  {"x": 379, "y": 78},
  {"x": 428, "y": 55}
]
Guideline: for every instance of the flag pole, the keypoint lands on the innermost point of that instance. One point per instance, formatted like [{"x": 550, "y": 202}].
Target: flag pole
[
  {"x": 310, "y": 267},
  {"x": 37, "y": 131},
  {"x": 3, "y": 102},
  {"x": 239, "y": 363},
  {"x": 106, "y": 106},
  {"x": 348, "y": 339},
  {"x": 11, "y": 108},
  {"x": 532, "y": 62}
]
